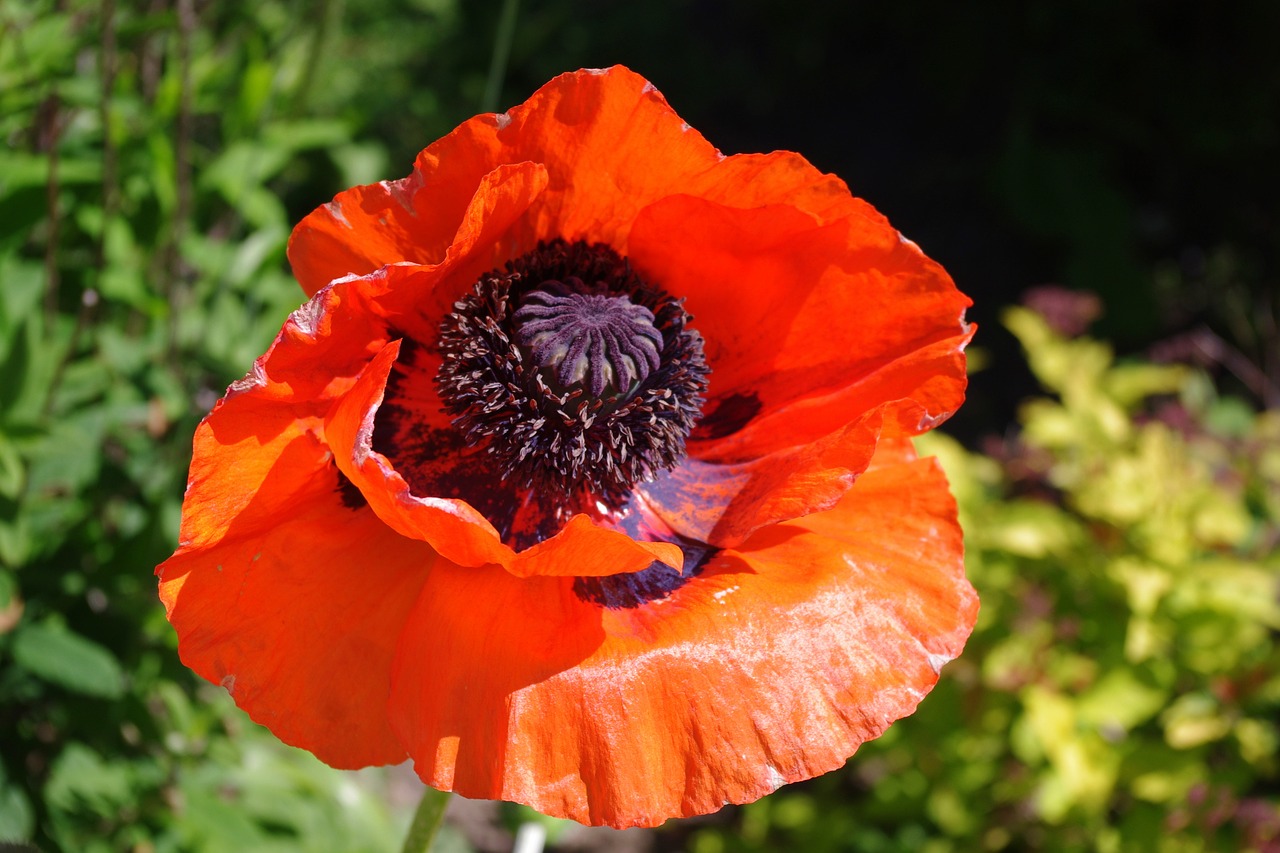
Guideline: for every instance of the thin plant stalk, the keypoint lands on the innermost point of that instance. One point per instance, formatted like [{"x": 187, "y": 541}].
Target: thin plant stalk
[
  {"x": 501, "y": 53},
  {"x": 426, "y": 821}
]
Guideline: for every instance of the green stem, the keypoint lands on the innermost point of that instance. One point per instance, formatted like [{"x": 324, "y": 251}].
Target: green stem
[
  {"x": 501, "y": 52},
  {"x": 426, "y": 821}
]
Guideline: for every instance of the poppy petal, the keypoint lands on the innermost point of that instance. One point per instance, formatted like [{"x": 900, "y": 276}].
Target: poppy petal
[
  {"x": 612, "y": 146},
  {"x": 369, "y": 227},
  {"x": 584, "y": 548},
  {"x": 475, "y": 639},
  {"x": 316, "y": 359},
  {"x": 796, "y": 313},
  {"x": 772, "y": 665},
  {"x": 238, "y": 482},
  {"x": 291, "y": 615},
  {"x": 723, "y": 504}
]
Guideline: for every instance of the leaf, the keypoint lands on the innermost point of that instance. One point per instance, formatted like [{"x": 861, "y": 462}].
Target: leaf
[
  {"x": 17, "y": 819},
  {"x": 61, "y": 657},
  {"x": 1125, "y": 697},
  {"x": 11, "y": 606},
  {"x": 82, "y": 780},
  {"x": 11, "y": 469},
  {"x": 32, "y": 170},
  {"x": 301, "y": 135},
  {"x": 19, "y": 297},
  {"x": 366, "y": 163},
  {"x": 1195, "y": 719},
  {"x": 15, "y": 541}
]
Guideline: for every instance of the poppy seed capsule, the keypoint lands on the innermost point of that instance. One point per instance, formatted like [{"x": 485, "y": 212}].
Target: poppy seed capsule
[
  {"x": 575, "y": 375},
  {"x": 602, "y": 343}
]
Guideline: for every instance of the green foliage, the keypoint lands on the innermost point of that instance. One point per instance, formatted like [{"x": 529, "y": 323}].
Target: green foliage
[
  {"x": 1122, "y": 687},
  {"x": 57, "y": 656},
  {"x": 151, "y": 156}
]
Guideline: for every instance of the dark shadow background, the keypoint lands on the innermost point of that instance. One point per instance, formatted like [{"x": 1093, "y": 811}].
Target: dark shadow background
[{"x": 1124, "y": 148}]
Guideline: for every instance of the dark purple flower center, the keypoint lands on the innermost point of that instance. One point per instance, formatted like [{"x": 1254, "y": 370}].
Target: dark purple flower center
[{"x": 576, "y": 378}]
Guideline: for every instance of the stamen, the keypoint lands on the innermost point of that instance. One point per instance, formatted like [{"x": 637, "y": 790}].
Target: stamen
[{"x": 576, "y": 377}]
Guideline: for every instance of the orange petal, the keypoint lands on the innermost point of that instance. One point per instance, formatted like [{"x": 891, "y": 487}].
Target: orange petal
[
  {"x": 475, "y": 639},
  {"x": 807, "y": 325},
  {"x": 260, "y": 437},
  {"x": 611, "y": 145},
  {"x": 316, "y": 360},
  {"x": 724, "y": 503},
  {"x": 367, "y": 228},
  {"x": 583, "y": 548},
  {"x": 771, "y": 666},
  {"x": 289, "y": 613},
  {"x": 268, "y": 422},
  {"x": 452, "y": 527}
]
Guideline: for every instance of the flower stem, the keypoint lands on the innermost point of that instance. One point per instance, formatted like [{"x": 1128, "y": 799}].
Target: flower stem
[
  {"x": 501, "y": 52},
  {"x": 426, "y": 821}
]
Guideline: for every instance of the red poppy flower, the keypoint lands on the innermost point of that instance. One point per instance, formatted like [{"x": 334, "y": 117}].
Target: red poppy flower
[{"x": 583, "y": 479}]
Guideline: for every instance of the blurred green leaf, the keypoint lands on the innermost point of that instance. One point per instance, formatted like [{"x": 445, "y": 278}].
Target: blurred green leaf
[
  {"x": 81, "y": 780},
  {"x": 59, "y": 656},
  {"x": 17, "y": 818},
  {"x": 1122, "y": 699},
  {"x": 19, "y": 169},
  {"x": 19, "y": 297},
  {"x": 11, "y": 469},
  {"x": 15, "y": 541}
]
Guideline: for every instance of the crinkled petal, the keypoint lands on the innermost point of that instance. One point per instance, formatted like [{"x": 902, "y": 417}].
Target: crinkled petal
[
  {"x": 452, "y": 527},
  {"x": 724, "y": 503},
  {"x": 328, "y": 341},
  {"x": 369, "y": 227},
  {"x": 820, "y": 338},
  {"x": 477, "y": 637},
  {"x": 289, "y": 612},
  {"x": 807, "y": 325},
  {"x": 611, "y": 145},
  {"x": 259, "y": 447},
  {"x": 772, "y": 665}
]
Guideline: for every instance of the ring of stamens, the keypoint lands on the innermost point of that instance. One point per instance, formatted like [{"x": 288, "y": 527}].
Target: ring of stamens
[{"x": 578, "y": 378}]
